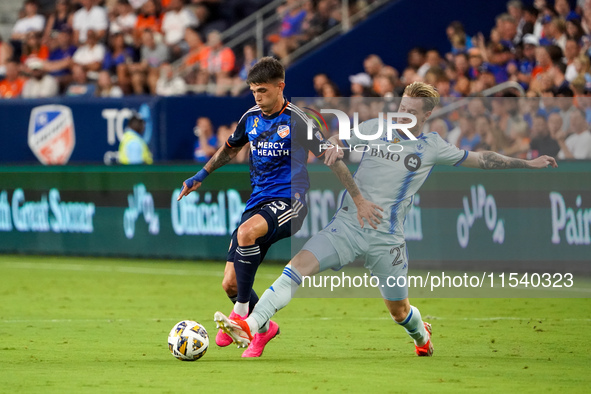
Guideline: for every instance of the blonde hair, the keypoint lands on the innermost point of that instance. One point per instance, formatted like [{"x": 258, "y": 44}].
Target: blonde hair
[{"x": 424, "y": 90}]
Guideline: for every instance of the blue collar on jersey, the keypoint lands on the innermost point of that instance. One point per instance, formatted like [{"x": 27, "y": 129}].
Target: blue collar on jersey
[{"x": 276, "y": 114}]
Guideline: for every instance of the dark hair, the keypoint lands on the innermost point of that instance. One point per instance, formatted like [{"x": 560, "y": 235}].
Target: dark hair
[{"x": 266, "y": 70}]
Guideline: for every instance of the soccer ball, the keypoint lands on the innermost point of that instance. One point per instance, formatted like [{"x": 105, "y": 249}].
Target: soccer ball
[{"x": 188, "y": 340}]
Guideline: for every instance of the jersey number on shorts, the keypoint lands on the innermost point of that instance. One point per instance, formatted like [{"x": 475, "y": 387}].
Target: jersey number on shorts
[
  {"x": 277, "y": 205},
  {"x": 396, "y": 249}
]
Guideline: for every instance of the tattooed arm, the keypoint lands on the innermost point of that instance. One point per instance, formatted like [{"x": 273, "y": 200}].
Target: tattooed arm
[
  {"x": 487, "y": 160},
  {"x": 223, "y": 156}
]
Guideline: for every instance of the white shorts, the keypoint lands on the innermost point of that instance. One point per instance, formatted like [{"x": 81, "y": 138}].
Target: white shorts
[{"x": 341, "y": 243}]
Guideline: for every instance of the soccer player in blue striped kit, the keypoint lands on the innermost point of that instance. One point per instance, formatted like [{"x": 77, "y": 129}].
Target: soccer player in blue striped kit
[
  {"x": 277, "y": 133},
  {"x": 390, "y": 180}
]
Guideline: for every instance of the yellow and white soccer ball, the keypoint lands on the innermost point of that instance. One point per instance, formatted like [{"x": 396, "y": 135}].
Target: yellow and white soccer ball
[{"x": 188, "y": 340}]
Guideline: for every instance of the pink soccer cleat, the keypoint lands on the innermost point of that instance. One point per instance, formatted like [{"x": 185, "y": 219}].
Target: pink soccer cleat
[
  {"x": 236, "y": 328},
  {"x": 256, "y": 347},
  {"x": 427, "y": 349},
  {"x": 222, "y": 339}
]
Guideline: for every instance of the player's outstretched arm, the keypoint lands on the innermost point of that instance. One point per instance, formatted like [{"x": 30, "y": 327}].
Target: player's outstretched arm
[
  {"x": 222, "y": 157},
  {"x": 487, "y": 160}
]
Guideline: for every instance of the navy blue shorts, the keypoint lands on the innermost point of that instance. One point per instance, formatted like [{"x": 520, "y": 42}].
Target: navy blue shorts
[{"x": 284, "y": 217}]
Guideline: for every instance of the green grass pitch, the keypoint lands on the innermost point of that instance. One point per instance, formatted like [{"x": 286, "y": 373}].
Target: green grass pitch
[{"x": 78, "y": 325}]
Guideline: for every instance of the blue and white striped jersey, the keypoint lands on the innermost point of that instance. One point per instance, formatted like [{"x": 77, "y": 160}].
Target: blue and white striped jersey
[{"x": 391, "y": 172}]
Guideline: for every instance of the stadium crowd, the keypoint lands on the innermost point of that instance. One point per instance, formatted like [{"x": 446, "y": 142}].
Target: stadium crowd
[{"x": 111, "y": 48}]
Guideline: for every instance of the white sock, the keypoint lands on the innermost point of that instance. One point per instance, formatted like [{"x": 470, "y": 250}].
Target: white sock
[
  {"x": 274, "y": 298},
  {"x": 413, "y": 324},
  {"x": 241, "y": 308}
]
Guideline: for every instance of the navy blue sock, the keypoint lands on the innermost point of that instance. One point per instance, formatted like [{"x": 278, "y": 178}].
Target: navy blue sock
[{"x": 246, "y": 263}]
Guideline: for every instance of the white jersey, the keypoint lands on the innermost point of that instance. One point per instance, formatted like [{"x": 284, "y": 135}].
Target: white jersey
[{"x": 391, "y": 172}]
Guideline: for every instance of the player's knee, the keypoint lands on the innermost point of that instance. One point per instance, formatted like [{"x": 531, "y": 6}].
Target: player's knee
[
  {"x": 229, "y": 285},
  {"x": 247, "y": 235}
]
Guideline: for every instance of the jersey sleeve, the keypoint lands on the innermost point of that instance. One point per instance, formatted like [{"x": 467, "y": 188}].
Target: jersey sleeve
[
  {"x": 448, "y": 154},
  {"x": 316, "y": 142},
  {"x": 239, "y": 137}
]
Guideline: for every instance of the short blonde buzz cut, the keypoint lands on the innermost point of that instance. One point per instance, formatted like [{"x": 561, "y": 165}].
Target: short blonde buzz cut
[{"x": 423, "y": 90}]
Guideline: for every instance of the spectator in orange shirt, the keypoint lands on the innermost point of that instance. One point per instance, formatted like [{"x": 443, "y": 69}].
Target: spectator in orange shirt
[
  {"x": 220, "y": 63},
  {"x": 196, "y": 60},
  {"x": 12, "y": 85},
  {"x": 5, "y": 55},
  {"x": 148, "y": 18},
  {"x": 32, "y": 48}
]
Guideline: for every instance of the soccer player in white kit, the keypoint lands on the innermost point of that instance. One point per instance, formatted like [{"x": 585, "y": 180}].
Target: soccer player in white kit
[{"x": 389, "y": 176}]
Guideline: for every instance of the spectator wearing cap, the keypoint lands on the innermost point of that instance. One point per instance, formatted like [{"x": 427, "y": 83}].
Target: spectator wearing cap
[
  {"x": 31, "y": 21},
  {"x": 528, "y": 60},
  {"x": 12, "y": 84},
  {"x": 578, "y": 144},
  {"x": 546, "y": 36},
  {"x": 80, "y": 86},
  {"x": 60, "y": 58},
  {"x": 40, "y": 84},
  {"x": 360, "y": 85},
  {"x": 574, "y": 28},
  {"x": 133, "y": 149},
  {"x": 90, "y": 17},
  {"x": 91, "y": 55},
  {"x": 174, "y": 24},
  {"x": 61, "y": 18},
  {"x": 542, "y": 142}
]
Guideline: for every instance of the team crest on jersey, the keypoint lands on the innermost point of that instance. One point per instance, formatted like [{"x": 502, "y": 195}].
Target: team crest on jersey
[
  {"x": 51, "y": 133},
  {"x": 283, "y": 130}
]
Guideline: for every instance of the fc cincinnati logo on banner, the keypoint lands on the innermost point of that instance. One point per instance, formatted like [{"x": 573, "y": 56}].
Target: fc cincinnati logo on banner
[
  {"x": 51, "y": 133},
  {"x": 283, "y": 131}
]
